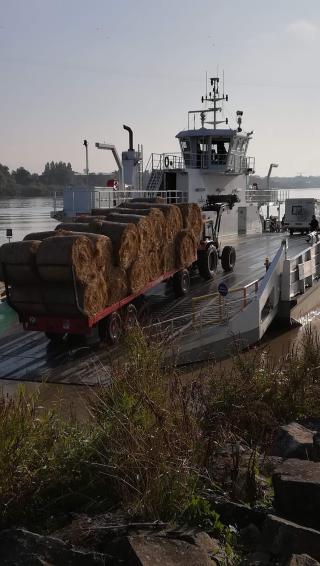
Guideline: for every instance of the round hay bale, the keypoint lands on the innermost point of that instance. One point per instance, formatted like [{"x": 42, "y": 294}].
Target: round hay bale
[
  {"x": 185, "y": 248},
  {"x": 192, "y": 218},
  {"x": 125, "y": 242},
  {"x": 168, "y": 259},
  {"x": 40, "y": 235},
  {"x": 158, "y": 222},
  {"x": 19, "y": 259},
  {"x": 79, "y": 227},
  {"x": 102, "y": 250},
  {"x": 43, "y": 235},
  {"x": 154, "y": 263},
  {"x": 139, "y": 274},
  {"x": 143, "y": 224},
  {"x": 59, "y": 299},
  {"x": 117, "y": 285},
  {"x": 57, "y": 256},
  {"x": 27, "y": 299},
  {"x": 171, "y": 213}
]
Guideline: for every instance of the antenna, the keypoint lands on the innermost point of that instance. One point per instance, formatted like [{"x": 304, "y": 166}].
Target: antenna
[{"x": 206, "y": 84}]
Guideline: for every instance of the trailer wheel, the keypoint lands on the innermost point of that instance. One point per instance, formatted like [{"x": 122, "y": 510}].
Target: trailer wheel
[
  {"x": 208, "y": 262},
  {"x": 228, "y": 258},
  {"x": 114, "y": 328},
  {"x": 131, "y": 316},
  {"x": 181, "y": 283}
]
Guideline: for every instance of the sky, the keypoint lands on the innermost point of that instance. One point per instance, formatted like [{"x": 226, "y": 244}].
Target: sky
[{"x": 74, "y": 69}]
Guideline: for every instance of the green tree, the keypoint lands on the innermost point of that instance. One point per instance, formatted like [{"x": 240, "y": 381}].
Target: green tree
[
  {"x": 57, "y": 173},
  {"x": 7, "y": 182},
  {"x": 22, "y": 176}
]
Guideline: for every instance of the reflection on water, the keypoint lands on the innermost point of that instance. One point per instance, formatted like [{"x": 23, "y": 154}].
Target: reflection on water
[{"x": 25, "y": 215}]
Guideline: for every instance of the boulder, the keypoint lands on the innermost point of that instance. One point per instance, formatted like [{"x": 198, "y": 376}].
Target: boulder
[
  {"x": 237, "y": 514},
  {"x": 21, "y": 547},
  {"x": 294, "y": 441},
  {"x": 283, "y": 538},
  {"x": 302, "y": 560},
  {"x": 159, "y": 550},
  {"x": 297, "y": 491}
]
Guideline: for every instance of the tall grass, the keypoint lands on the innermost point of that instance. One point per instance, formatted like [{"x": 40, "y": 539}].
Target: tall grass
[{"x": 155, "y": 441}]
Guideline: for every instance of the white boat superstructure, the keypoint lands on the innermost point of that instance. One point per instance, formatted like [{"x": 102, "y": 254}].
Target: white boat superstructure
[{"x": 211, "y": 166}]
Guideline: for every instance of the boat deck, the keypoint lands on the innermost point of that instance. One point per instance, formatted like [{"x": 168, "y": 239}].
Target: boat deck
[{"x": 29, "y": 356}]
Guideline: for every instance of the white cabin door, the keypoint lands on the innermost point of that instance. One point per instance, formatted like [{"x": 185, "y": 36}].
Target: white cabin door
[{"x": 242, "y": 220}]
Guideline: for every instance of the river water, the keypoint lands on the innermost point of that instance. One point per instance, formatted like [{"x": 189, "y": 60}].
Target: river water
[{"x": 25, "y": 215}]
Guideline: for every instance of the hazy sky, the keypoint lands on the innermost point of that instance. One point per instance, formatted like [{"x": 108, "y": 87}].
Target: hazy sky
[{"x": 75, "y": 69}]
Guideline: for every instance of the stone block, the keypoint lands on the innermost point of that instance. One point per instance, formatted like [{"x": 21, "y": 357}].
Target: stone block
[
  {"x": 294, "y": 441},
  {"x": 297, "y": 491},
  {"x": 282, "y": 538}
]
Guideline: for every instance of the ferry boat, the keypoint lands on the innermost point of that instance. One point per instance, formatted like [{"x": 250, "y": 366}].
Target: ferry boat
[{"x": 211, "y": 166}]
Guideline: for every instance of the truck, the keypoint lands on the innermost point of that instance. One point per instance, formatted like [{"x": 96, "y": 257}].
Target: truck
[
  {"x": 298, "y": 214},
  {"x": 112, "y": 320}
]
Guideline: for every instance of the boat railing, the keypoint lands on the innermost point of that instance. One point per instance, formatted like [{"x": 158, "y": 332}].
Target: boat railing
[
  {"x": 265, "y": 196},
  {"x": 223, "y": 162},
  {"x": 105, "y": 198}
]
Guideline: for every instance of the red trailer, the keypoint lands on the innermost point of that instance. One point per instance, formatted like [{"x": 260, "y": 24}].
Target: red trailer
[{"x": 109, "y": 322}]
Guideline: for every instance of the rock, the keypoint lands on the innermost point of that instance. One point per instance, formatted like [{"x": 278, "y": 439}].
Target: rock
[
  {"x": 297, "y": 491},
  {"x": 258, "y": 559},
  {"x": 294, "y": 441},
  {"x": 250, "y": 536},
  {"x": 283, "y": 538},
  {"x": 20, "y": 547},
  {"x": 316, "y": 447},
  {"x": 302, "y": 560},
  {"x": 237, "y": 514},
  {"x": 158, "y": 550}
]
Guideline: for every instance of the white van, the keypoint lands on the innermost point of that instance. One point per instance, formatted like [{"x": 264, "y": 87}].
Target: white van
[{"x": 298, "y": 214}]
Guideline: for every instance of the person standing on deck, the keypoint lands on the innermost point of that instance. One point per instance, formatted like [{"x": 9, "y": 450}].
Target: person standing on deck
[{"x": 314, "y": 224}]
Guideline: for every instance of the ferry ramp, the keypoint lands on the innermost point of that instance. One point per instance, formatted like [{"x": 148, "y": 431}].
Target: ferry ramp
[{"x": 195, "y": 323}]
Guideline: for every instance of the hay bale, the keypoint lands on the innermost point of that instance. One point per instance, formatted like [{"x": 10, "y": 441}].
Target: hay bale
[
  {"x": 117, "y": 285},
  {"x": 185, "y": 249},
  {"x": 27, "y": 299},
  {"x": 158, "y": 222},
  {"x": 125, "y": 242},
  {"x": 56, "y": 257},
  {"x": 143, "y": 224},
  {"x": 78, "y": 227},
  {"x": 167, "y": 258},
  {"x": 171, "y": 213},
  {"x": 59, "y": 298},
  {"x": 154, "y": 263},
  {"x": 40, "y": 235},
  {"x": 192, "y": 218},
  {"x": 138, "y": 274},
  {"x": 19, "y": 259}
]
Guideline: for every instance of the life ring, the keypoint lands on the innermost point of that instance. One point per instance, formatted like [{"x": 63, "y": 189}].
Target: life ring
[{"x": 166, "y": 162}]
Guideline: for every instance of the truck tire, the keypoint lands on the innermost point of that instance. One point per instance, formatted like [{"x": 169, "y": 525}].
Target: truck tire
[
  {"x": 131, "y": 317},
  {"x": 228, "y": 258},
  {"x": 208, "y": 262},
  {"x": 110, "y": 328},
  {"x": 181, "y": 283}
]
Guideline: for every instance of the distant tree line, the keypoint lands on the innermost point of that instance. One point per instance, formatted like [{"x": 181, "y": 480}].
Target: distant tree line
[{"x": 55, "y": 176}]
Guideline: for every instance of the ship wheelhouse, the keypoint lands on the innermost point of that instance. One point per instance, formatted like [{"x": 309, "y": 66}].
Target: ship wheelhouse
[{"x": 216, "y": 150}]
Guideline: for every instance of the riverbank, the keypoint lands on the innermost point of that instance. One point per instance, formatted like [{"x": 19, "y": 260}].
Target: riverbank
[{"x": 156, "y": 447}]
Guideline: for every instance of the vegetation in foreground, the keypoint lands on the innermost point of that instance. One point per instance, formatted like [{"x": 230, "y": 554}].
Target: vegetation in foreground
[{"x": 157, "y": 445}]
